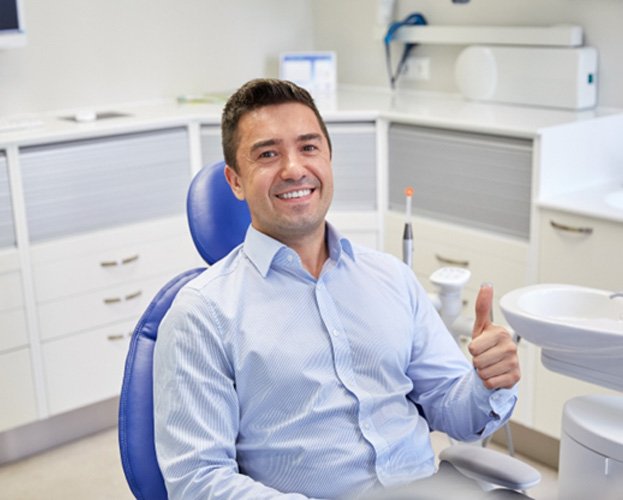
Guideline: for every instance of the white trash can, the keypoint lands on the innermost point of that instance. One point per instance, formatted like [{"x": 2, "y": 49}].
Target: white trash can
[{"x": 591, "y": 449}]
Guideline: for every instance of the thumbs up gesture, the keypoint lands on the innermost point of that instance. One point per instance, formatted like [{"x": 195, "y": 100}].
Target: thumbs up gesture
[{"x": 493, "y": 351}]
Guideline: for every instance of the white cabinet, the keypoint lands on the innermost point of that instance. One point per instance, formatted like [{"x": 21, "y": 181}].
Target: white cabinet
[
  {"x": 86, "y": 368},
  {"x": 471, "y": 208},
  {"x": 17, "y": 392},
  {"x": 107, "y": 227},
  {"x": 578, "y": 250}
]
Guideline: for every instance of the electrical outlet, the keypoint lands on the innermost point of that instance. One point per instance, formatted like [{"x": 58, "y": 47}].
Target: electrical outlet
[{"x": 417, "y": 68}]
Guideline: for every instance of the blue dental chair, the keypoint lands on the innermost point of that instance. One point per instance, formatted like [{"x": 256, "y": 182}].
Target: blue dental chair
[{"x": 218, "y": 222}]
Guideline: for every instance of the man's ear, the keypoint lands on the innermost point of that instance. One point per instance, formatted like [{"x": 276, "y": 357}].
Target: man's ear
[{"x": 233, "y": 179}]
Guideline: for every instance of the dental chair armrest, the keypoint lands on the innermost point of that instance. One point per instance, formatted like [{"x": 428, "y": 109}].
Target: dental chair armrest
[{"x": 490, "y": 466}]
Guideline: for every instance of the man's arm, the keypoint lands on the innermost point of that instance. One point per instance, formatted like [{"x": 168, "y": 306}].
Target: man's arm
[
  {"x": 196, "y": 412},
  {"x": 453, "y": 395}
]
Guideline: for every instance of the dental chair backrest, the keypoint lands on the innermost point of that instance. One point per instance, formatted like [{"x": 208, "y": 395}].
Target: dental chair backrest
[{"x": 218, "y": 222}]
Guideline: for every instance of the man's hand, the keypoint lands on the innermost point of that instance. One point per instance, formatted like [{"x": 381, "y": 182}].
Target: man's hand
[{"x": 493, "y": 351}]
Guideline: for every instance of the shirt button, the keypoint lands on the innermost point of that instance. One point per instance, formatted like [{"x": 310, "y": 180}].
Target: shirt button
[
  {"x": 335, "y": 333},
  {"x": 366, "y": 426},
  {"x": 290, "y": 258}
]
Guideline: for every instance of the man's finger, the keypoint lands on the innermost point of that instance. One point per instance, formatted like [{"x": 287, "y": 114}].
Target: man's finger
[{"x": 484, "y": 305}]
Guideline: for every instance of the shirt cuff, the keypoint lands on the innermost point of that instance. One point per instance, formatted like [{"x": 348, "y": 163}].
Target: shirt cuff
[{"x": 497, "y": 403}]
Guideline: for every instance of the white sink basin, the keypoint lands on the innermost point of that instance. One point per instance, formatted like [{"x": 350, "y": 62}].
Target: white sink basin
[{"x": 580, "y": 329}]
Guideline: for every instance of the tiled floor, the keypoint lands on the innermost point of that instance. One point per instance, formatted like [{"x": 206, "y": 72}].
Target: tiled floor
[{"x": 90, "y": 469}]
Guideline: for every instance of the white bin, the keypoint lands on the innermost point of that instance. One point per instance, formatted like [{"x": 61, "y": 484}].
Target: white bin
[{"x": 591, "y": 449}]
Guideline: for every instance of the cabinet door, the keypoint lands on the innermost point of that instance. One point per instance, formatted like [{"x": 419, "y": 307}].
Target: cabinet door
[
  {"x": 81, "y": 186},
  {"x": 13, "y": 331},
  {"x": 580, "y": 250},
  {"x": 475, "y": 180},
  {"x": 87, "y": 368},
  {"x": 583, "y": 251},
  {"x": 17, "y": 391}
]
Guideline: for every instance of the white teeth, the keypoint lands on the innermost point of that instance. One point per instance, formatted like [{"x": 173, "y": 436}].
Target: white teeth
[{"x": 294, "y": 194}]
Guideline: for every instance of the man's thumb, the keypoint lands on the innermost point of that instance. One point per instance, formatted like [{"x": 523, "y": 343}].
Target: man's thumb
[{"x": 484, "y": 305}]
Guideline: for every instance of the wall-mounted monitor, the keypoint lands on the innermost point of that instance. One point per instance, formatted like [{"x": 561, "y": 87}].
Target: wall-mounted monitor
[{"x": 12, "y": 32}]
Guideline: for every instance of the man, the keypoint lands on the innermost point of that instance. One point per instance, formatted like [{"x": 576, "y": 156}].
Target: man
[{"x": 292, "y": 367}]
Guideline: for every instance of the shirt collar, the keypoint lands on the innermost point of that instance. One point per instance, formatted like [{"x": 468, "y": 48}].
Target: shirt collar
[{"x": 261, "y": 249}]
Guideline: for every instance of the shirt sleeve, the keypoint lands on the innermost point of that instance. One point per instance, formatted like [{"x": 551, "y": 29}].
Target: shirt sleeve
[
  {"x": 445, "y": 385},
  {"x": 196, "y": 408}
]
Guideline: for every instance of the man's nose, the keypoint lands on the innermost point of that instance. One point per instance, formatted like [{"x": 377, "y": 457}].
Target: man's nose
[{"x": 293, "y": 167}]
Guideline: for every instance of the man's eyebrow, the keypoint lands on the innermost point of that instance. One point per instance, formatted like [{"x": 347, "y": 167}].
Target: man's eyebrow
[
  {"x": 264, "y": 143},
  {"x": 309, "y": 137}
]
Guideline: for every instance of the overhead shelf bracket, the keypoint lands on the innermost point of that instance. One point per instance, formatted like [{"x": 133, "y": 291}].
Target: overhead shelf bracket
[{"x": 553, "y": 36}]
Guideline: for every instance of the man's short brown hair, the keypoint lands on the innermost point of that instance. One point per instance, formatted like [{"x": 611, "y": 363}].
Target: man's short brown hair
[{"x": 257, "y": 94}]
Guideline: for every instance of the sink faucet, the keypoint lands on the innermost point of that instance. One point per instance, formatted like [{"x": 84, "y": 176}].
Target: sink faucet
[{"x": 616, "y": 294}]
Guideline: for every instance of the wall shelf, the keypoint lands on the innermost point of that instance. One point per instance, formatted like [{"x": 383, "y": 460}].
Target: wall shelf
[{"x": 558, "y": 36}]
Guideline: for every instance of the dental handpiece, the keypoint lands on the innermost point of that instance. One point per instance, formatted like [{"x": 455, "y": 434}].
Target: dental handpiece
[{"x": 407, "y": 235}]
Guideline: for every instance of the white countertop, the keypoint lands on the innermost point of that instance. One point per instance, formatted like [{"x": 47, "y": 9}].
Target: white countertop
[
  {"x": 349, "y": 104},
  {"x": 590, "y": 202}
]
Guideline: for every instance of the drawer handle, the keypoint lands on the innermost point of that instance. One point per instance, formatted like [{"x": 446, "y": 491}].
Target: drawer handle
[
  {"x": 122, "y": 262},
  {"x": 571, "y": 229},
  {"x": 130, "y": 296},
  {"x": 134, "y": 295},
  {"x": 128, "y": 260},
  {"x": 451, "y": 262},
  {"x": 119, "y": 336}
]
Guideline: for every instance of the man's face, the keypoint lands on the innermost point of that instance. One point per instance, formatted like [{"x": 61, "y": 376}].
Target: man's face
[{"x": 284, "y": 165}]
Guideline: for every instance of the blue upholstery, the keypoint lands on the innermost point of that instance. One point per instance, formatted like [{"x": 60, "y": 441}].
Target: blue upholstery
[{"x": 218, "y": 222}]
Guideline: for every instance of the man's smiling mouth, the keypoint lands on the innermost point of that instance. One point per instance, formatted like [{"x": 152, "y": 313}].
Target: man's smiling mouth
[{"x": 300, "y": 193}]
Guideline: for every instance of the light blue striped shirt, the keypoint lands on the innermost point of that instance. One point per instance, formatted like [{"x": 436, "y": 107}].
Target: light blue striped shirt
[{"x": 269, "y": 383}]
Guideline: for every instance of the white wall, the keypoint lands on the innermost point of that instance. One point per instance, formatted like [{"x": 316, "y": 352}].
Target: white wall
[
  {"x": 95, "y": 52},
  {"x": 347, "y": 26},
  {"x": 98, "y": 52}
]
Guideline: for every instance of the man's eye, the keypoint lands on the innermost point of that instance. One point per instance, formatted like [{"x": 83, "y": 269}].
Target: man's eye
[
  {"x": 310, "y": 148},
  {"x": 268, "y": 154}
]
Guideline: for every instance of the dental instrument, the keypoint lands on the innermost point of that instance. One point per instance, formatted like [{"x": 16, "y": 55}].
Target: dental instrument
[{"x": 407, "y": 235}]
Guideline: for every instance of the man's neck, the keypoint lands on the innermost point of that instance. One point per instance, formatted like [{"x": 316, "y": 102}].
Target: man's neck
[{"x": 312, "y": 250}]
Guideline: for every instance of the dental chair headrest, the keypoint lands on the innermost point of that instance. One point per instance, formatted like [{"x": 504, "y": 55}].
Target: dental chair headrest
[{"x": 218, "y": 221}]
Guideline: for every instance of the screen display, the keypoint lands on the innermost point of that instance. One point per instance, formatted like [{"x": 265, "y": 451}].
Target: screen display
[{"x": 9, "y": 20}]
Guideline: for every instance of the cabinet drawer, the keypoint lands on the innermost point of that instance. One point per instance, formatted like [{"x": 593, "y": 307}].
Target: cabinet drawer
[
  {"x": 86, "y": 368},
  {"x": 87, "y": 311},
  {"x": 81, "y": 186},
  {"x": 13, "y": 330},
  {"x": 490, "y": 258},
  {"x": 580, "y": 250},
  {"x": 88, "y": 270},
  {"x": 11, "y": 291},
  {"x": 17, "y": 390}
]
